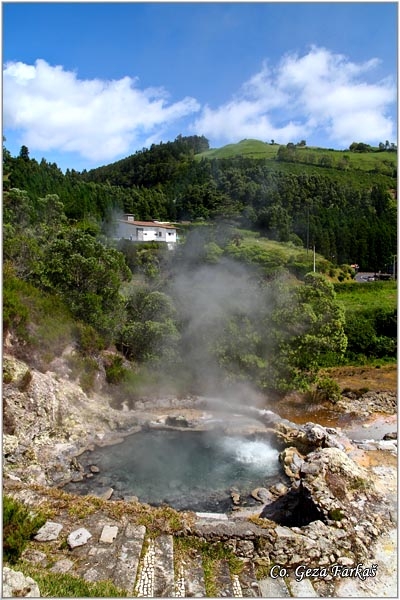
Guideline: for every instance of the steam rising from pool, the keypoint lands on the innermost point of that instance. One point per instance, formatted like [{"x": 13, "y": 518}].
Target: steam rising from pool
[
  {"x": 190, "y": 470},
  {"x": 252, "y": 452}
]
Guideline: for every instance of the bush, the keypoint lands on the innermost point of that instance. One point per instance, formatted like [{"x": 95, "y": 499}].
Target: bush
[
  {"x": 19, "y": 525},
  {"x": 328, "y": 389},
  {"x": 89, "y": 342},
  {"x": 115, "y": 371}
]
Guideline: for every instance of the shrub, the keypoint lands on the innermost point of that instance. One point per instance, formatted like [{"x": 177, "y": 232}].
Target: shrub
[
  {"x": 19, "y": 525},
  {"x": 115, "y": 371},
  {"x": 89, "y": 342},
  {"x": 328, "y": 389}
]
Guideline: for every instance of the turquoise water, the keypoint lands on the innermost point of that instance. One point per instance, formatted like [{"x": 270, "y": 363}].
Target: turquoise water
[{"x": 186, "y": 470}]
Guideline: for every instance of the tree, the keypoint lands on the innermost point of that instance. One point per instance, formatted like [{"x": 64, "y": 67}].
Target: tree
[
  {"x": 88, "y": 275},
  {"x": 150, "y": 333},
  {"x": 308, "y": 333},
  {"x": 24, "y": 153}
]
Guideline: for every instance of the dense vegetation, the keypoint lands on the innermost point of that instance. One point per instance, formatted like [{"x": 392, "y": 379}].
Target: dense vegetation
[
  {"x": 19, "y": 526},
  {"x": 237, "y": 301},
  {"x": 343, "y": 203}
]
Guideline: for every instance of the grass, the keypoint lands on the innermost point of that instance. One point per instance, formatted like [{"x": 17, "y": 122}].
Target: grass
[
  {"x": 41, "y": 320},
  {"x": 270, "y": 255},
  {"x": 62, "y": 585},
  {"x": 383, "y": 162},
  {"x": 211, "y": 554},
  {"x": 375, "y": 294},
  {"x": 247, "y": 148}
]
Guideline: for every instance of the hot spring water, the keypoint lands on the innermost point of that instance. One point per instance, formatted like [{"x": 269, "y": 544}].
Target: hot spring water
[{"x": 186, "y": 470}]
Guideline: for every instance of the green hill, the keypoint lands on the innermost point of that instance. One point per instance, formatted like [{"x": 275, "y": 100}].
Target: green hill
[
  {"x": 372, "y": 160},
  {"x": 245, "y": 148}
]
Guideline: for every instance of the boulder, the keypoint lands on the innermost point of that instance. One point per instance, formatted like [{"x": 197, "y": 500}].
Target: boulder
[
  {"x": 177, "y": 421},
  {"x": 291, "y": 461},
  {"x": 16, "y": 584},
  {"x": 262, "y": 495}
]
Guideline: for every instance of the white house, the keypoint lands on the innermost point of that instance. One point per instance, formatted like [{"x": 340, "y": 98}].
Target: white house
[{"x": 145, "y": 231}]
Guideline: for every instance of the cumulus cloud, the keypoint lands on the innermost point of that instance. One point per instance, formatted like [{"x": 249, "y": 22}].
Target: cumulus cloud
[
  {"x": 303, "y": 95},
  {"x": 319, "y": 92},
  {"x": 97, "y": 119}
]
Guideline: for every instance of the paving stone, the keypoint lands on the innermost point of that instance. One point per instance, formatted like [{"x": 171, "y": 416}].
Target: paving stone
[
  {"x": 48, "y": 532},
  {"x": 193, "y": 575},
  {"x": 302, "y": 589},
  {"x": 223, "y": 580},
  {"x": 164, "y": 576},
  {"x": 209, "y": 515},
  {"x": 126, "y": 568},
  {"x": 62, "y": 566},
  {"x": 92, "y": 575},
  {"x": 35, "y": 556},
  {"x": 248, "y": 581},
  {"x": 273, "y": 588},
  {"x": 109, "y": 534},
  {"x": 79, "y": 537}
]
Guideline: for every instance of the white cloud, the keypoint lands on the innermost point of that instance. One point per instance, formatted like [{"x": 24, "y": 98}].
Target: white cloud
[
  {"x": 317, "y": 93},
  {"x": 97, "y": 119},
  {"x": 320, "y": 91}
]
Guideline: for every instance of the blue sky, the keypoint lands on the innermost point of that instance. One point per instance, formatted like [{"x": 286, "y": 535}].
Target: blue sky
[{"x": 85, "y": 84}]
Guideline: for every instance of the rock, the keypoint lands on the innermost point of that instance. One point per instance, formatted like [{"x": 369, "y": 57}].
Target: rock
[
  {"x": 34, "y": 556},
  {"x": 62, "y": 566},
  {"x": 262, "y": 495},
  {"x": 107, "y": 494},
  {"x": 131, "y": 498},
  {"x": 291, "y": 461},
  {"x": 296, "y": 508},
  {"x": 176, "y": 421},
  {"x": 109, "y": 534},
  {"x": 79, "y": 537},
  {"x": 390, "y": 436},
  {"x": 235, "y": 498},
  {"x": 279, "y": 489},
  {"x": 49, "y": 531},
  {"x": 345, "y": 561},
  {"x": 245, "y": 548},
  {"x": 94, "y": 469},
  {"x": 16, "y": 584},
  {"x": 10, "y": 444}
]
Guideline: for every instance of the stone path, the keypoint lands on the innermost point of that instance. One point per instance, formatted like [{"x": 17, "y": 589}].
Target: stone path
[
  {"x": 99, "y": 547},
  {"x": 103, "y": 549}
]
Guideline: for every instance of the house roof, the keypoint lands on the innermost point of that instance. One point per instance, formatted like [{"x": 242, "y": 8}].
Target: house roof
[{"x": 147, "y": 224}]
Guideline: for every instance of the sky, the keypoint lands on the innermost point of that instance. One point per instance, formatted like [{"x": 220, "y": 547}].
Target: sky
[{"x": 86, "y": 84}]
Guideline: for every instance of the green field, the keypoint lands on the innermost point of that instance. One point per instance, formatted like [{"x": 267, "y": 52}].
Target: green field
[
  {"x": 356, "y": 297},
  {"x": 377, "y": 162}
]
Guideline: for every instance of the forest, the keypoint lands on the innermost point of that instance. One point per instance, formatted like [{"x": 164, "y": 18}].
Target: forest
[{"x": 237, "y": 301}]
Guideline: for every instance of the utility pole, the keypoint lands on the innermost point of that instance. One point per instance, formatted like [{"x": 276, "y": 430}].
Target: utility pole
[{"x": 314, "y": 260}]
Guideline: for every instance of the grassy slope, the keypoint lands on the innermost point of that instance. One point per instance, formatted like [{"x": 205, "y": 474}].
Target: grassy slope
[
  {"x": 369, "y": 161},
  {"x": 356, "y": 297}
]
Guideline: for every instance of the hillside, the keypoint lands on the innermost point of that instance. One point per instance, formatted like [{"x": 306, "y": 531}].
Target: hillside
[{"x": 373, "y": 161}]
